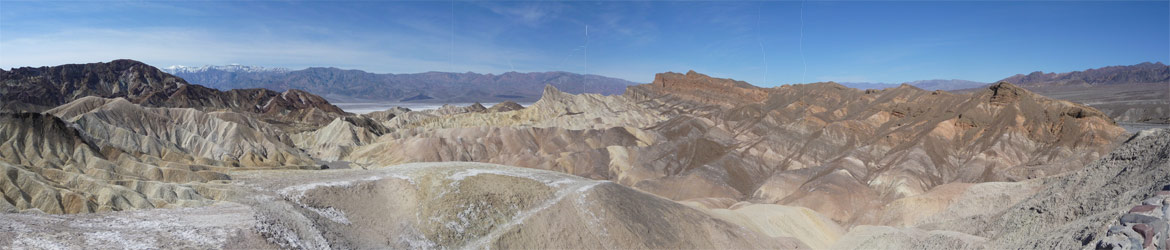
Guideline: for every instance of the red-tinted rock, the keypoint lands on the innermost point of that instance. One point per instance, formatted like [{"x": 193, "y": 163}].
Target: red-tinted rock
[
  {"x": 1142, "y": 208},
  {"x": 1147, "y": 233}
]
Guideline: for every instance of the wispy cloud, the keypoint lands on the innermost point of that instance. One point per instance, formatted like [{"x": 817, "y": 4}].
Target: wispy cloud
[
  {"x": 844, "y": 41},
  {"x": 173, "y": 46},
  {"x": 527, "y": 13}
]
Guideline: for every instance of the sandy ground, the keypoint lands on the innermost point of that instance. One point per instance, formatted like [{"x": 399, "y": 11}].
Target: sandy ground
[
  {"x": 419, "y": 205},
  {"x": 1134, "y": 127},
  {"x": 224, "y": 225}
]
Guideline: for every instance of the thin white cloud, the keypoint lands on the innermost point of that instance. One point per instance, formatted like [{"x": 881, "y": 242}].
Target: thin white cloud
[
  {"x": 170, "y": 46},
  {"x": 405, "y": 45},
  {"x": 530, "y": 14}
]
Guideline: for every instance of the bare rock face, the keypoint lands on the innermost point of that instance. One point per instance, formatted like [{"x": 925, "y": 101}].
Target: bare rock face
[
  {"x": 181, "y": 133},
  {"x": 52, "y": 167},
  {"x": 1078, "y": 210},
  {"x": 707, "y": 89},
  {"x": 954, "y": 200},
  {"x": 476, "y": 205},
  {"x": 810, "y": 227},
  {"x": 840, "y": 151},
  {"x": 113, "y": 155},
  {"x": 337, "y": 139},
  {"x": 1117, "y": 202}
]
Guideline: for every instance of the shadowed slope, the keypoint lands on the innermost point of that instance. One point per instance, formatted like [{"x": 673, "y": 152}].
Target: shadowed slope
[{"x": 39, "y": 89}]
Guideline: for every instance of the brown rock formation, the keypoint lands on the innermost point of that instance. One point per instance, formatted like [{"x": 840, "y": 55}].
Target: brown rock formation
[
  {"x": 840, "y": 151},
  {"x": 505, "y": 106}
]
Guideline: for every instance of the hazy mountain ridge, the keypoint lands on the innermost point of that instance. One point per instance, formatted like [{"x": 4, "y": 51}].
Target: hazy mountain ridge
[
  {"x": 233, "y": 68},
  {"x": 1127, "y": 93},
  {"x": 417, "y": 87},
  {"x": 1145, "y": 72},
  {"x": 935, "y": 84}
]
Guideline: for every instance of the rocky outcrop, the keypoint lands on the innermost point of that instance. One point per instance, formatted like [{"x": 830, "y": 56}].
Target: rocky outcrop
[
  {"x": 1116, "y": 202},
  {"x": 97, "y": 155},
  {"x": 704, "y": 88},
  {"x": 505, "y": 107},
  {"x": 337, "y": 139},
  {"x": 188, "y": 134},
  {"x": 1144, "y": 226},
  {"x": 52, "y": 167},
  {"x": 1083, "y": 208}
]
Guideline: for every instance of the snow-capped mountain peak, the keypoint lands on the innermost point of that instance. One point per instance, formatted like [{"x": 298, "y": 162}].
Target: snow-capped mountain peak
[{"x": 175, "y": 69}]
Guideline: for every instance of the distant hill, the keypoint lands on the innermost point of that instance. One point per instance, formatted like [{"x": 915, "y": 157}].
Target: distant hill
[
  {"x": 339, "y": 84},
  {"x": 38, "y": 89},
  {"x": 230, "y": 68},
  {"x": 1128, "y": 93},
  {"x": 1138, "y": 73},
  {"x": 869, "y": 85},
  {"x": 935, "y": 84},
  {"x": 951, "y": 84}
]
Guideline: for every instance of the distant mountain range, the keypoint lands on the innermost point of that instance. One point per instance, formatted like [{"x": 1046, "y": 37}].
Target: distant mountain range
[
  {"x": 356, "y": 85},
  {"x": 1138, "y": 73},
  {"x": 1127, "y": 93},
  {"x": 230, "y": 68},
  {"x": 936, "y": 84},
  {"x": 1145, "y": 72}
]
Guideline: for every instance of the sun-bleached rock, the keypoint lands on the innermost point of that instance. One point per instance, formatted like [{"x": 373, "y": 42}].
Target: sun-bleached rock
[
  {"x": 476, "y": 205},
  {"x": 952, "y": 201},
  {"x": 885, "y": 237},
  {"x": 811, "y": 228},
  {"x": 336, "y": 140},
  {"x": 185, "y": 133},
  {"x": 842, "y": 152},
  {"x": 49, "y": 166}
]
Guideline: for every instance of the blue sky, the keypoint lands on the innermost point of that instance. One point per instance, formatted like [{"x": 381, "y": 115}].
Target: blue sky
[{"x": 762, "y": 42}]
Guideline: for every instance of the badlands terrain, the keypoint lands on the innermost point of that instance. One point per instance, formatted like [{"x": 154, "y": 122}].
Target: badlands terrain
[{"x": 123, "y": 155}]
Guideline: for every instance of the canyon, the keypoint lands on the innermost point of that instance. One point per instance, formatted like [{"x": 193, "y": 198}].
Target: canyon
[{"x": 126, "y": 155}]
